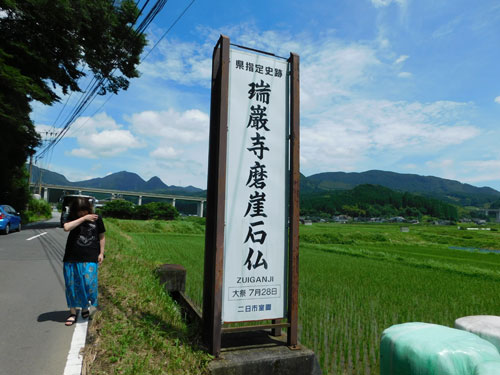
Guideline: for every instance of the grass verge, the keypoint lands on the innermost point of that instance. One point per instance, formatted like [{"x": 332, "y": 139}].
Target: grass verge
[{"x": 138, "y": 328}]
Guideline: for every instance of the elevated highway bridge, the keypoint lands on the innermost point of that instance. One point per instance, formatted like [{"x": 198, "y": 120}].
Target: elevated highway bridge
[
  {"x": 487, "y": 212},
  {"x": 45, "y": 188}
]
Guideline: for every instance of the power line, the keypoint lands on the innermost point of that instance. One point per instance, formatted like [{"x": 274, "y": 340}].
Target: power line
[
  {"x": 97, "y": 85},
  {"x": 170, "y": 28},
  {"x": 156, "y": 44}
]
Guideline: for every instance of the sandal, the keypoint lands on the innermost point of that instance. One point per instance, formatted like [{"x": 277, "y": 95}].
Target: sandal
[
  {"x": 85, "y": 314},
  {"x": 70, "y": 320}
]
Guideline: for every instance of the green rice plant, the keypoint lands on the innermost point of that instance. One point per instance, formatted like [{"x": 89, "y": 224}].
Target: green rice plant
[{"x": 355, "y": 281}]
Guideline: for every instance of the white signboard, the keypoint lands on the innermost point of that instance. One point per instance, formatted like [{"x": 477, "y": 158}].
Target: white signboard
[{"x": 255, "y": 242}]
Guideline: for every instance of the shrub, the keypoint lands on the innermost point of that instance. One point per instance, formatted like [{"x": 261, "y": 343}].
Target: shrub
[
  {"x": 121, "y": 209},
  {"x": 38, "y": 209},
  {"x": 160, "y": 211}
]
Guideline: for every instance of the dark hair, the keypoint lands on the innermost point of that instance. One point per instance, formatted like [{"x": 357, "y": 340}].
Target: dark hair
[{"x": 79, "y": 204}]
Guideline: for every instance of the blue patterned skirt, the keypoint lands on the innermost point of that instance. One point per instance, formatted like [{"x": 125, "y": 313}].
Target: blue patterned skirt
[{"x": 81, "y": 284}]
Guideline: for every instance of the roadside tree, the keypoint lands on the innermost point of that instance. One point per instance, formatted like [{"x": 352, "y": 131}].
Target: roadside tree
[{"x": 45, "y": 48}]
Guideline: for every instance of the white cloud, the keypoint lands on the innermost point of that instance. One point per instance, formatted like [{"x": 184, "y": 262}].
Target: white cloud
[
  {"x": 351, "y": 133},
  {"x": 410, "y": 166},
  {"x": 335, "y": 69},
  {"x": 497, "y": 99},
  {"x": 164, "y": 153},
  {"x": 105, "y": 144},
  {"x": 179, "y": 144},
  {"x": 401, "y": 59},
  {"x": 185, "y": 127},
  {"x": 405, "y": 75},
  {"x": 329, "y": 66},
  {"x": 186, "y": 63},
  {"x": 484, "y": 164},
  {"x": 384, "y": 3},
  {"x": 89, "y": 125},
  {"x": 446, "y": 163},
  {"x": 447, "y": 29},
  {"x": 481, "y": 170},
  {"x": 100, "y": 136}
]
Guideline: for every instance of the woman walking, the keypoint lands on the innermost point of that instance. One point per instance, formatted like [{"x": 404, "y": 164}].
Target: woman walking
[{"x": 84, "y": 253}]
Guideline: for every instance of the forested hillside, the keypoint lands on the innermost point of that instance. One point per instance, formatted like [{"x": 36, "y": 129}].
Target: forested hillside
[
  {"x": 375, "y": 201},
  {"x": 443, "y": 189}
]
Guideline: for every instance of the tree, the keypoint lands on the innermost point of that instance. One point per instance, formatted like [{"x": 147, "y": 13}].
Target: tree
[
  {"x": 45, "y": 48},
  {"x": 118, "y": 208}
]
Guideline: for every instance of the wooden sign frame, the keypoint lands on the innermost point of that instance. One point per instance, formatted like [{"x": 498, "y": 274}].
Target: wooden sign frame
[{"x": 216, "y": 196}]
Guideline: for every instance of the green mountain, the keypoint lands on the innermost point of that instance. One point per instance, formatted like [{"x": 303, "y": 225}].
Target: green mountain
[
  {"x": 375, "y": 201},
  {"x": 48, "y": 177},
  {"x": 447, "y": 190},
  {"x": 123, "y": 180}
]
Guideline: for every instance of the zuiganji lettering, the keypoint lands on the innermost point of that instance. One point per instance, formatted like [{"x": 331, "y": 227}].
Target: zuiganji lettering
[
  {"x": 261, "y": 91},
  {"x": 256, "y": 205},
  {"x": 258, "y": 146},
  {"x": 256, "y": 236},
  {"x": 257, "y": 176},
  {"x": 257, "y": 118},
  {"x": 258, "y": 263}
]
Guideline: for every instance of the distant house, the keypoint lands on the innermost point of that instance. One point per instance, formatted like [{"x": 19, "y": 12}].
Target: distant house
[
  {"x": 342, "y": 219},
  {"x": 397, "y": 219}
]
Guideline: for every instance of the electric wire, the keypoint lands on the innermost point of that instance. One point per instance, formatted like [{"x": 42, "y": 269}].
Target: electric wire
[
  {"x": 168, "y": 30},
  {"x": 89, "y": 96}
]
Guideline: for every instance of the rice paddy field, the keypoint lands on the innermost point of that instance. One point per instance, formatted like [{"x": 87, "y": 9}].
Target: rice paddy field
[{"x": 356, "y": 279}]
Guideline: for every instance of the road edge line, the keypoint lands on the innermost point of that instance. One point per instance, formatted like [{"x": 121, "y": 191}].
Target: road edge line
[
  {"x": 75, "y": 359},
  {"x": 38, "y": 235}
]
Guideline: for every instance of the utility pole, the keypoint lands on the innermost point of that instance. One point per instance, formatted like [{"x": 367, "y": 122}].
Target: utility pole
[
  {"x": 40, "y": 171},
  {"x": 30, "y": 168}
]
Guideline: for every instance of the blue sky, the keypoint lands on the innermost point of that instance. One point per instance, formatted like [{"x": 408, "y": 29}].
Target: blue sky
[{"x": 399, "y": 85}]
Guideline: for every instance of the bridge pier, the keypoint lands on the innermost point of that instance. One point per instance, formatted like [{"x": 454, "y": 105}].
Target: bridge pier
[
  {"x": 498, "y": 216},
  {"x": 46, "y": 194},
  {"x": 200, "y": 208},
  {"x": 139, "y": 203},
  {"x": 173, "y": 202}
]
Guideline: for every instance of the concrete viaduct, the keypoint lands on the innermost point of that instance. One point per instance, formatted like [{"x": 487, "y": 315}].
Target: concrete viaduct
[
  {"x": 488, "y": 210},
  {"x": 46, "y": 187}
]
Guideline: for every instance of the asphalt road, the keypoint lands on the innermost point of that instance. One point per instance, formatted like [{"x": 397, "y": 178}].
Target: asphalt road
[{"x": 33, "y": 338}]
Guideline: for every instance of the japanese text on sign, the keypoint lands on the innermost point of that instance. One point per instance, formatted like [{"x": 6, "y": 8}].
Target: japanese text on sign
[{"x": 256, "y": 225}]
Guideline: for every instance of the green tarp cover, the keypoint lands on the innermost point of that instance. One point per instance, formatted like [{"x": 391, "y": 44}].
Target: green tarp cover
[{"x": 430, "y": 349}]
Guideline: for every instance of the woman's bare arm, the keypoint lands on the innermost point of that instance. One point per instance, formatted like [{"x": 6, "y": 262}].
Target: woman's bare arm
[{"x": 70, "y": 225}]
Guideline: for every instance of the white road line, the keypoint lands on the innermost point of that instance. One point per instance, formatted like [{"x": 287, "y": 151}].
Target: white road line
[
  {"x": 38, "y": 235},
  {"x": 75, "y": 359}
]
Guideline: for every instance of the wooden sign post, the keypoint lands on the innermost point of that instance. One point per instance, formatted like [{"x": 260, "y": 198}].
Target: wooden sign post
[{"x": 252, "y": 228}]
